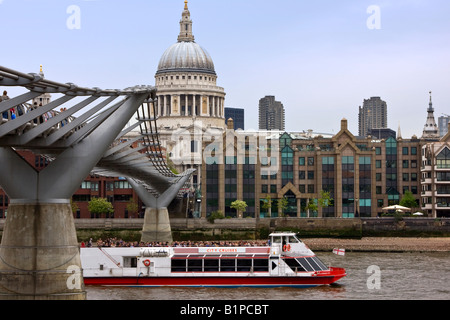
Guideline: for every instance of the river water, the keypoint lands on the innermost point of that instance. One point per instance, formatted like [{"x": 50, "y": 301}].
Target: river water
[{"x": 370, "y": 276}]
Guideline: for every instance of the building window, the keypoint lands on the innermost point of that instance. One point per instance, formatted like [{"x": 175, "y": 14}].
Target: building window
[
  {"x": 405, "y": 151},
  {"x": 405, "y": 164},
  {"x": 380, "y": 203},
  {"x": 391, "y": 146},
  {"x": 301, "y": 161},
  {"x": 443, "y": 159},
  {"x": 94, "y": 186},
  {"x": 328, "y": 160},
  {"x": 301, "y": 175},
  {"x": 287, "y": 156},
  {"x": 121, "y": 185},
  {"x": 85, "y": 185},
  {"x": 378, "y": 189},
  {"x": 378, "y": 163}
]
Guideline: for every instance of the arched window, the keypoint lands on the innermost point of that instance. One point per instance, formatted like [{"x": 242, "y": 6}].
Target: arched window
[{"x": 443, "y": 159}]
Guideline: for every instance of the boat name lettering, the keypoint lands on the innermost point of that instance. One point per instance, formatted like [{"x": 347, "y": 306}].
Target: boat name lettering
[{"x": 221, "y": 250}]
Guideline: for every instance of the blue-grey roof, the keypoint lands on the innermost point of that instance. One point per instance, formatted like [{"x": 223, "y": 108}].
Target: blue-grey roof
[{"x": 186, "y": 56}]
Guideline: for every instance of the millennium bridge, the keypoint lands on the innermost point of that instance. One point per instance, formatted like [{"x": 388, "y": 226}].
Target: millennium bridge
[{"x": 83, "y": 133}]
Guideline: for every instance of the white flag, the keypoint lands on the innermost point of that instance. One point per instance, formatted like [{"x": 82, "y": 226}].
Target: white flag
[{"x": 339, "y": 252}]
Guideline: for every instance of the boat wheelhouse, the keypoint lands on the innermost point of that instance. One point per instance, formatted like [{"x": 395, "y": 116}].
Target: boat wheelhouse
[{"x": 286, "y": 261}]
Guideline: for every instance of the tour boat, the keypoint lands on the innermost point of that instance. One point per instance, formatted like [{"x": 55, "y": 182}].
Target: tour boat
[{"x": 285, "y": 262}]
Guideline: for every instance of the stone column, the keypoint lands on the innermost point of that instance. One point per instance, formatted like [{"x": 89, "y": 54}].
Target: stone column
[
  {"x": 43, "y": 263},
  {"x": 157, "y": 226},
  {"x": 39, "y": 254},
  {"x": 165, "y": 106}
]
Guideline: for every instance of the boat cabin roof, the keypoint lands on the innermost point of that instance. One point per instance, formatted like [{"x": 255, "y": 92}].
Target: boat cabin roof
[{"x": 281, "y": 234}]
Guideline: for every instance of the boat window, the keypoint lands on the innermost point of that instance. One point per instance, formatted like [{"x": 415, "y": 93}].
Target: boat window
[
  {"x": 313, "y": 264},
  {"x": 293, "y": 239},
  {"x": 179, "y": 265},
  {"x": 211, "y": 265},
  {"x": 195, "y": 265},
  {"x": 228, "y": 265},
  {"x": 129, "y": 262},
  {"x": 305, "y": 264},
  {"x": 294, "y": 264},
  {"x": 260, "y": 265},
  {"x": 320, "y": 263},
  {"x": 276, "y": 239},
  {"x": 244, "y": 265}
]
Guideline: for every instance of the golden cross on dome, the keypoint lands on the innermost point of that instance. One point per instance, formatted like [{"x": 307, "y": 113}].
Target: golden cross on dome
[{"x": 185, "y": 5}]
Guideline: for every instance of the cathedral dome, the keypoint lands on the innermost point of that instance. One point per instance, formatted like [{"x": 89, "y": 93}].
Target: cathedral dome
[{"x": 186, "y": 56}]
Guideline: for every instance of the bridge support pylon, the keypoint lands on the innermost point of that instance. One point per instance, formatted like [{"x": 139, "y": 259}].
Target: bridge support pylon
[
  {"x": 156, "y": 221},
  {"x": 39, "y": 252}
]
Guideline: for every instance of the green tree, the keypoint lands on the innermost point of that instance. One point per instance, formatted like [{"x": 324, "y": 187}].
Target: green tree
[
  {"x": 325, "y": 199},
  {"x": 74, "y": 206},
  {"x": 99, "y": 206},
  {"x": 282, "y": 204},
  {"x": 267, "y": 205},
  {"x": 132, "y": 206},
  {"x": 311, "y": 206},
  {"x": 240, "y": 206},
  {"x": 215, "y": 215},
  {"x": 408, "y": 200}
]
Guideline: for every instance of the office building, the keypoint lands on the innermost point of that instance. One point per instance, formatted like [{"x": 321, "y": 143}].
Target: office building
[
  {"x": 271, "y": 114},
  {"x": 238, "y": 116},
  {"x": 435, "y": 175},
  {"x": 373, "y": 114},
  {"x": 443, "y": 125},
  {"x": 363, "y": 175}
]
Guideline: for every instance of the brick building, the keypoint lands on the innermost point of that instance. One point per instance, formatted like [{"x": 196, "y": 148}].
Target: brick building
[{"x": 363, "y": 175}]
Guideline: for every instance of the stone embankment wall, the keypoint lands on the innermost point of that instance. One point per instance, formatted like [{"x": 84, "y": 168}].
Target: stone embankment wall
[{"x": 260, "y": 228}]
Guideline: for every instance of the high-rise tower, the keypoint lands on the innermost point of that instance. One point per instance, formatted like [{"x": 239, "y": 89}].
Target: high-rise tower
[
  {"x": 373, "y": 114},
  {"x": 271, "y": 114}
]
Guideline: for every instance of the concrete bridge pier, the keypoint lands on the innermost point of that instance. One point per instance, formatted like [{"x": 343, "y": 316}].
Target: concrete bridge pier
[
  {"x": 39, "y": 254},
  {"x": 156, "y": 221},
  {"x": 157, "y": 226}
]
